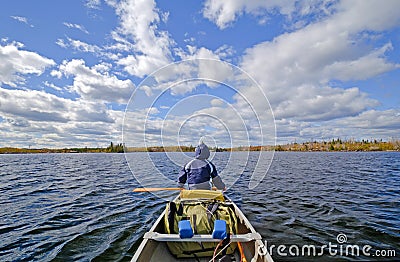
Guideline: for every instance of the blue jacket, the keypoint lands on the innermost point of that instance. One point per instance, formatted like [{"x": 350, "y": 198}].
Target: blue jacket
[{"x": 198, "y": 172}]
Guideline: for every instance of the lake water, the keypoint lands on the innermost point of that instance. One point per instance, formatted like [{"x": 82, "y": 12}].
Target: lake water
[{"x": 80, "y": 207}]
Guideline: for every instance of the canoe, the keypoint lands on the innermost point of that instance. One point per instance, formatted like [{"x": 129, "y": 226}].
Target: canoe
[{"x": 245, "y": 243}]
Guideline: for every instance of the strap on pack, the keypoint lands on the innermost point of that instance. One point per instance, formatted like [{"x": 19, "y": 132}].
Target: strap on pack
[
  {"x": 211, "y": 211},
  {"x": 171, "y": 216}
]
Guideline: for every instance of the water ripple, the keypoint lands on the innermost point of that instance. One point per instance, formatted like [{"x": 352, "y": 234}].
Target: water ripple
[{"x": 80, "y": 207}]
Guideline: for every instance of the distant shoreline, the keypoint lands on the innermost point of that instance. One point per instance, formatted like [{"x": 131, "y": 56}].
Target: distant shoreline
[{"x": 325, "y": 146}]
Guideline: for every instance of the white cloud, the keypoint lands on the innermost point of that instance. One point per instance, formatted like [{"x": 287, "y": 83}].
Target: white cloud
[
  {"x": 15, "y": 63},
  {"x": 151, "y": 47},
  {"x": 372, "y": 119},
  {"x": 33, "y": 105},
  {"x": 61, "y": 43},
  {"x": 152, "y": 111},
  {"x": 95, "y": 84},
  {"x": 327, "y": 40},
  {"x": 369, "y": 124},
  {"x": 182, "y": 87},
  {"x": 367, "y": 15},
  {"x": 76, "y": 26},
  {"x": 318, "y": 56},
  {"x": 40, "y": 119},
  {"x": 213, "y": 111},
  {"x": 292, "y": 67},
  {"x": 94, "y": 4},
  {"x": 310, "y": 103},
  {"x": 209, "y": 69},
  {"x": 225, "y": 52},
  {"x": 371, "y": 14},
  {"x": 198, "y": 66},
  {"x": 22, "y": 20},
  {"x": 53, "y": 86},
  {"x": 217, "y": 102},
  {"x": 182, "y": 77},
  {"x": 223, "y": 13},
  {"x": 361, "y": 68},
  {"x": 58, "y": 135},
  {"x": 147, "y": 90},
  {"x": 78, "y": 45}
]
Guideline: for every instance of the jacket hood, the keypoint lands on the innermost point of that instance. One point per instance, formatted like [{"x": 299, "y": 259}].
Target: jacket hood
[{"x": 202, "y": 152}]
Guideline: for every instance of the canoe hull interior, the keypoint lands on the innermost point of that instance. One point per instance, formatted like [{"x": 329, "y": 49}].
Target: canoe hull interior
[{"x": 154, "y": 245}]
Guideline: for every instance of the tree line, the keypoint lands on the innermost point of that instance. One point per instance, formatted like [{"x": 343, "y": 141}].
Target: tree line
[
  {"x": 342, "y": 145},
  {"x": 332, "y": 145}
]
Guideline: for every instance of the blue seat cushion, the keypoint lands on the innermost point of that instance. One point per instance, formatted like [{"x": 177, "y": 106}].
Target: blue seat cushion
[
  {"x": 185, "y": 229},
  {"x": 219, "y": 231}
]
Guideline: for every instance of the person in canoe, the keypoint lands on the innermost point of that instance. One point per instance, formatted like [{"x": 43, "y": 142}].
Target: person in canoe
[{"x": 199, "y": 171}]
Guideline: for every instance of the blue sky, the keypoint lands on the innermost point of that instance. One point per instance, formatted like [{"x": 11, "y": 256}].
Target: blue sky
[{"x": 328, "y": 69}]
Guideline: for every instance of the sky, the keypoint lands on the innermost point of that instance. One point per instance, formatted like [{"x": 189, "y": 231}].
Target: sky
[{"x": 88, "y": 72}]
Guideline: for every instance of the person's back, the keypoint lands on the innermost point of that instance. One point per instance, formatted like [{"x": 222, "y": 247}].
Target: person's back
[{"x": 198, "y": 172}]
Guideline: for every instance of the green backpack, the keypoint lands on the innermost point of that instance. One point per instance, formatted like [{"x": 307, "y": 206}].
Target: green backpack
[{"x": 202, "y": 215}]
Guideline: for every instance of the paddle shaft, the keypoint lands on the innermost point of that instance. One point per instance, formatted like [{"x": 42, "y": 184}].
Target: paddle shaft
[{"x": 152, "y": 189}]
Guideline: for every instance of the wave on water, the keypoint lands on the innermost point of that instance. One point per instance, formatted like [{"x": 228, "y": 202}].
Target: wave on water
[{"x": 80, "y": 207}]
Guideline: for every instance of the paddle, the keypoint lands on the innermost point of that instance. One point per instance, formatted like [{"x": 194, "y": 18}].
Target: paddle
[{"x": 152, "y": 189}]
